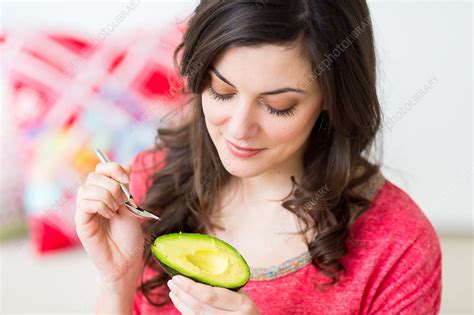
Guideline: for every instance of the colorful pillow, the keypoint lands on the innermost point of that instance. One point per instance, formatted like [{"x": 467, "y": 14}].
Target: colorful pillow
[{"x": 70, "y": 95}]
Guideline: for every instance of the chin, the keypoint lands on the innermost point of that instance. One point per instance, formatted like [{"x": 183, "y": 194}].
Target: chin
[
  {"x": 242, "y": 168},
  {"x": 241, "y": 171}
]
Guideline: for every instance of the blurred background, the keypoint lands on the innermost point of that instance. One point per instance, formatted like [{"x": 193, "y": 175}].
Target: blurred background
[{"x": 79, "y": 75}]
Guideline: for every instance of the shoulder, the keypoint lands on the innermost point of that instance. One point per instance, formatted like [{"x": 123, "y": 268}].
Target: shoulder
[
  {"x": 144, "y": 165},
  {"x": 393, "y": 215},
  {"x": 398, "y": 246},
  {"x": 147, "y": 160}
]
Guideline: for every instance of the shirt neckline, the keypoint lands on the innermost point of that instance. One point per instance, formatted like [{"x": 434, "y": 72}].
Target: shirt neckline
[{"x": 289, "y": 266}]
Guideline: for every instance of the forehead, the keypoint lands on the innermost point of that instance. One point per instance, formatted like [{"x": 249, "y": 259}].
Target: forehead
[{"x": 264, "y": 66}]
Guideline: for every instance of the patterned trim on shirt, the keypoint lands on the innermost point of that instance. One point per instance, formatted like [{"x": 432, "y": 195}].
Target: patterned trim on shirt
[{"x": 289, "y": 266}]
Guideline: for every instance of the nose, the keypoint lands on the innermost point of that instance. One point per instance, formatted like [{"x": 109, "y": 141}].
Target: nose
[{"x": 242, "y": 123}]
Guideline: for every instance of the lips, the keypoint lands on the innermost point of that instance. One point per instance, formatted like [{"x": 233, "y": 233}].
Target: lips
[
  {"x": 242, "y": 148},
  {"x": 242, "y": 152}
]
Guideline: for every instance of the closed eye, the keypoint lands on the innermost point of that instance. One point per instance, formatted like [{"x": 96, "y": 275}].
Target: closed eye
[
  {"x": 218, "y": 96},
  {"x": 271, "y": 110}
]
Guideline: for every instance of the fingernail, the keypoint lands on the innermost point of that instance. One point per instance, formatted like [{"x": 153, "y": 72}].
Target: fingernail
[
  {"x": 177, "y": 279},
  {"x": 124, "y": 178}
]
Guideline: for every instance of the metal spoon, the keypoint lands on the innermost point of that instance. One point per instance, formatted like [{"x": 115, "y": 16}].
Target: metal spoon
[{"x": 130, "y": 204}]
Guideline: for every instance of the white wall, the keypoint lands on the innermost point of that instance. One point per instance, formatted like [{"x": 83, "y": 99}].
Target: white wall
[{"x": 427, "y": 149}]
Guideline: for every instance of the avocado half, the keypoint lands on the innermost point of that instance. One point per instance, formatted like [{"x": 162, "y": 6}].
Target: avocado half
[{"x": 203, "y": 258}]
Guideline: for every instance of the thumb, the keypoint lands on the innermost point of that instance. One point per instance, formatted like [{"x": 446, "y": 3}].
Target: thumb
[{"x": 242, "y": 290}]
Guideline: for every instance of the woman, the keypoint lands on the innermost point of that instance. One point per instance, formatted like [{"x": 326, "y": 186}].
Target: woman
[{"x": 274, "y": 159}]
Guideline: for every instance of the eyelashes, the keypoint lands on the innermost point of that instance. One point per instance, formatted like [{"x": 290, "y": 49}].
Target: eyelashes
[
  {"x": 272, "y": 111},
  {"x": 219, "y": 97},
  {"x": 286, "y": 113}
]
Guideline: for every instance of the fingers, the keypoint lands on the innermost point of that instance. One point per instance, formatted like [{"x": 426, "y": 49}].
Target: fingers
[
  {"x": 114, "y": 170},
  {"x": 101, "y": 193},
  {"x": 86, "y": 208},
  {"x": 128, "y": 169},
  {"x": 112, "y": 186},
  {"x": 220, "y": 298},
  {"x": 98, "y": 193},
  {"x": 181, "y": 306},
  {"x": 187, "y": 304}
]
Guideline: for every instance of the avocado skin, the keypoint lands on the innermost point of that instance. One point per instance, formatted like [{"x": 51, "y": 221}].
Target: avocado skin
[{"x": 173, "y": 272}]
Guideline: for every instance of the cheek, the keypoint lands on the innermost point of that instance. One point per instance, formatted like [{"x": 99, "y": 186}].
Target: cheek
[
  {"x": 289, "y": 131},
  {"x": 215, "y": 114}
]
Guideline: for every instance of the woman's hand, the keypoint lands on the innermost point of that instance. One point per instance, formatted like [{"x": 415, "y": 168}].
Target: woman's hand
[
  {"x": 112, "y": 237},
  {"x": 191, "y": 297}
]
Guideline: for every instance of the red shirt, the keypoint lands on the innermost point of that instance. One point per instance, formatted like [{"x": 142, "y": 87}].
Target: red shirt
[{"x": 395, "y": 269}]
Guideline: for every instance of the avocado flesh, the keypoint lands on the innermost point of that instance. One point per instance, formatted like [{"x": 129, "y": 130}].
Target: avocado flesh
[{"x": 203, "y": 258}]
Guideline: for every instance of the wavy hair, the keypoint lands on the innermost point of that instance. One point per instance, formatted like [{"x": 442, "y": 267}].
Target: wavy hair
[{"x": 337, "y": 38}]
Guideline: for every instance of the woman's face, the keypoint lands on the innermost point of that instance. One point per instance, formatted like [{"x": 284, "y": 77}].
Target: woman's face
[{"x": 257, "y": 99}]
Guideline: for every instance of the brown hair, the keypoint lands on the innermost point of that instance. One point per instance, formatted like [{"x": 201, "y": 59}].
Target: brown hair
[{"x": 337, "y": 38}]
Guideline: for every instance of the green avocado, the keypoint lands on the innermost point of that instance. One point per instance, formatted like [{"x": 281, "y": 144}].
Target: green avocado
[{"x": 203, "y": 258}]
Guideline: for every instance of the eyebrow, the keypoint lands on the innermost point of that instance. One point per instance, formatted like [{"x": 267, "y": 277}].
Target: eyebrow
[{"x": 273, "y": 92}]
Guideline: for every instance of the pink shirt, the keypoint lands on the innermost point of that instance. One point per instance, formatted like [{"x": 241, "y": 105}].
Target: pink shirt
[{"x": 397, "y": 270}]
